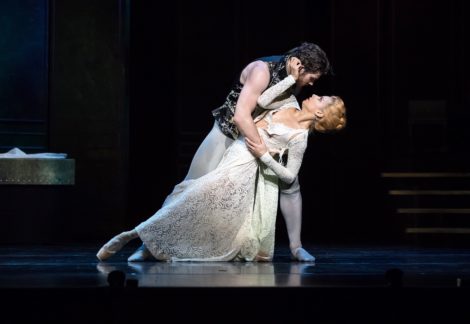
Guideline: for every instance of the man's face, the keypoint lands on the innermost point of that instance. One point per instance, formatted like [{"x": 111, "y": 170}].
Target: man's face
[{"x": 308, "y": 78}]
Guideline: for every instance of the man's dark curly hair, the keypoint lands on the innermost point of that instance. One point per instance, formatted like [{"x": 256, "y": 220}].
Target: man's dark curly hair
[{"x": 313, "y": 58}]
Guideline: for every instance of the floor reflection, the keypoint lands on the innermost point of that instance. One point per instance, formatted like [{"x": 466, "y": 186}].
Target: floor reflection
[
  {"x": 212, "y": 274},
  {"x": 77, "y": 266}
]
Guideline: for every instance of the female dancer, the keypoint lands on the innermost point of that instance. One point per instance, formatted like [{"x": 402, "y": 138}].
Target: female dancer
[{"x": 229, "y": 213}]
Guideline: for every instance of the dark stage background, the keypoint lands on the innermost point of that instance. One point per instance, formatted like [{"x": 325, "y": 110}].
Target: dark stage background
[{"x": 126, "y": 88}]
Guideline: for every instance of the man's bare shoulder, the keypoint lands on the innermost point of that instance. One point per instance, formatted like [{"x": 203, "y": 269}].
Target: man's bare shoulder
[{"x": 256, "y": 69}]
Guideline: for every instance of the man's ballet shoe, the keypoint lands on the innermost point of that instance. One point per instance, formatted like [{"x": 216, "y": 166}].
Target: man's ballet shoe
[
  {"x": 300, "y": 254},
  {"x": 113, "y": 246},
  {"x": 140, "y": 255}
]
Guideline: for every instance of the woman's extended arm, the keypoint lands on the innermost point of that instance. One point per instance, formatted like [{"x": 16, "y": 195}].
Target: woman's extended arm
[
  {"x": 276, "y": 96},
  {"x": 296, "y": 148}
]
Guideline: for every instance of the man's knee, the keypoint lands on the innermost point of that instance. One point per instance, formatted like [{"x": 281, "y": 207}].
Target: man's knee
[{"x": 289, "y": 189}]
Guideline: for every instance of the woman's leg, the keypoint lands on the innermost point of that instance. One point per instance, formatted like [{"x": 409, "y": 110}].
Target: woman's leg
[
  {"x": 291, "y": 208},
  {"x": 116, "y": 244}
]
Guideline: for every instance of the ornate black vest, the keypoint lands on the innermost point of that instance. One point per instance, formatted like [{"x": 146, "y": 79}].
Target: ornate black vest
[{"x": 224, "y": 114}]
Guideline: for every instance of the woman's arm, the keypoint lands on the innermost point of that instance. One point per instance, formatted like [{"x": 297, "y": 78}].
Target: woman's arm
[
  {"x": 296, "y": 148},
  {"x": 277, "y": 96},
  {"x": 275, "y": 93}
]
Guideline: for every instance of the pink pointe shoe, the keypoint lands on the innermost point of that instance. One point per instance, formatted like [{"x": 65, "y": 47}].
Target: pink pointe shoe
[{"x": 114, "y": 245}]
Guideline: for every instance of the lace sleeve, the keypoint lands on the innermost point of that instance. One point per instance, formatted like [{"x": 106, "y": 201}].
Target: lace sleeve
[
  {"x": 275, "y": 92},
  {"x": 296, "y": 148}
]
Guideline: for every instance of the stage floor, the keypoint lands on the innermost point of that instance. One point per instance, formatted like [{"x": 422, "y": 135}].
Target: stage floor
[
  {"x": 346, "y": 284},
  {"x": 335, "y": 266}
]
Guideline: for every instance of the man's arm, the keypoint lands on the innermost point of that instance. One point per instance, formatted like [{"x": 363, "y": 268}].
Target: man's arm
[{"x": 256, "y": 82}]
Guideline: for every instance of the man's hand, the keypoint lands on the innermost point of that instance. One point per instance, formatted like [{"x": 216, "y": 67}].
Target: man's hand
[{"x": 257, "y": 149}]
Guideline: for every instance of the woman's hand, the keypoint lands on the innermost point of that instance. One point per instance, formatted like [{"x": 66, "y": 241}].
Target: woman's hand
[
  {"x": 257, "y": 149},
  {"x": 295, "y": 67}
]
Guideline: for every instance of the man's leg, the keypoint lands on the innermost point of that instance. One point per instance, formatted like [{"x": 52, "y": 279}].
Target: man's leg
[
  {"x": 291, "y": 208},
  {"x": 209, "y": 153},
  {"x": 206, "y": 159}
]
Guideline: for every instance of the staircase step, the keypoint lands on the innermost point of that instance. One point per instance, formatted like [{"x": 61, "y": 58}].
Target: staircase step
[
  {"x": 437, "y": 230},
  {"x": 430, "y": 202},
  {"x": 425, "y": 175},
  {"x": 433, "y": 210},
  {"x": 429, "y": 192}
]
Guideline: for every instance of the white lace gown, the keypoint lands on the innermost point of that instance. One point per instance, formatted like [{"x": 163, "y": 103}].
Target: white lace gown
[{"x": 230, "y": 213}]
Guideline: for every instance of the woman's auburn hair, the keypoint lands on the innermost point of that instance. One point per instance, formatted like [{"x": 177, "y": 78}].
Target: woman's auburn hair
[{"x": 334, "y": 118}]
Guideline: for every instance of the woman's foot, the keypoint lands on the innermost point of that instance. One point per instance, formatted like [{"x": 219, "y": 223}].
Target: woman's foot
[
  {"x": 140, "y": 255},
  {"x": 115, "y": 244},
  {"x": 300, "y": 254}
]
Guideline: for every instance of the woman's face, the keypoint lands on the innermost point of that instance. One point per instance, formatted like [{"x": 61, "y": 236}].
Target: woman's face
[{"x": 317, "y": 104}]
